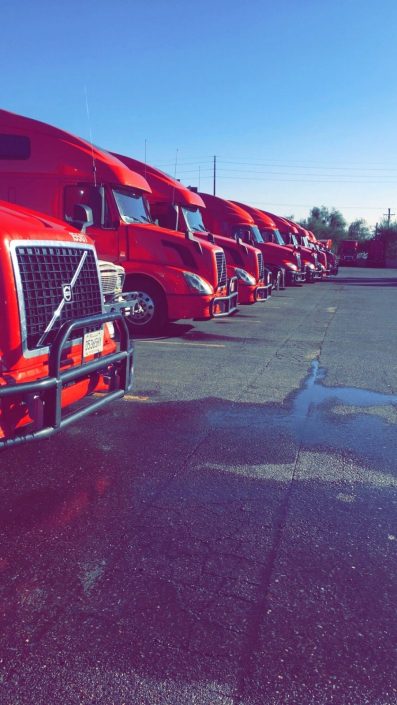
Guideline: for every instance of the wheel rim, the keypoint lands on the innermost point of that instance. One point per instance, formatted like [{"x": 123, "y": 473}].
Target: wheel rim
[{"x": 142, "y": 309}]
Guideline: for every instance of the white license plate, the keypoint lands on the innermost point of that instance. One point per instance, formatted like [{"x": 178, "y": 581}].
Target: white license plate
[{"x": 93, "y": 343}]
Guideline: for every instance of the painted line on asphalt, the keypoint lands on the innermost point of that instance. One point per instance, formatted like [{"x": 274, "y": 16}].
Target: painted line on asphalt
[{"x": 172, "y": 342}]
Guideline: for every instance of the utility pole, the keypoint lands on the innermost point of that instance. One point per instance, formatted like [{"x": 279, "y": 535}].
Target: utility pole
[
  {"x": 388, "y": 216},
  {"x": 214, "y": 175}
]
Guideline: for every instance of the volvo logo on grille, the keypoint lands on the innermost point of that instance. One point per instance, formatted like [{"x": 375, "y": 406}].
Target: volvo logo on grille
[{"x": 67, "y": 293}]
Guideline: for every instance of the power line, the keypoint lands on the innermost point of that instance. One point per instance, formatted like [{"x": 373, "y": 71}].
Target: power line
[
  {"x": 305, "y": 181},
  {"x": 306, "y": 165},
  {"x": 310, "y": 205}
]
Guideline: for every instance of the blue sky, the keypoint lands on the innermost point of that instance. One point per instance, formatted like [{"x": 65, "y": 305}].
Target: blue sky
[{"x": 297, "y": 98}]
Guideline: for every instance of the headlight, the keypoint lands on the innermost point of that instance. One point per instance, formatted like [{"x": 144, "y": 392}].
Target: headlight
[
  {"x": 289, "y": 265},
  {"x": 197, "y": 283},
  {"x": 310, "y": 265},
  {"x": 245, "y": 276},
  {"x": 120, "y": 282}
]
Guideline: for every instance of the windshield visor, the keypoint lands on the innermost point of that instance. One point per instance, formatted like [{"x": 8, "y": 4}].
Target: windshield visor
[
  {"x": 132, "y": 206},
  {"x": 194, "y": 220}
]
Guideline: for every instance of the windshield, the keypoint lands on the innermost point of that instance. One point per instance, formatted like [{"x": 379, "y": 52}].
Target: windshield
[
  {"x": 194, "y": 220},
  {"x": 132, "y": 206},
  {"x": 285, "y": 238},
  {"x": 248, "y": 233},
  {"x": 294, "y": 240}
]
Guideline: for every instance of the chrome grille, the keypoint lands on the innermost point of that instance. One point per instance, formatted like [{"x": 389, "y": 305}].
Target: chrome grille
[
  {"x": 221, "y": 267},
  {"x": 110, "y": 277},
  {"x": 261, "y": 266},
  {"x": 44, "y": 272}
]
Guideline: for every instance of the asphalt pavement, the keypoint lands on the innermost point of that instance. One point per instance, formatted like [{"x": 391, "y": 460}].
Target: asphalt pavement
[{"x": 226, "y": 534}]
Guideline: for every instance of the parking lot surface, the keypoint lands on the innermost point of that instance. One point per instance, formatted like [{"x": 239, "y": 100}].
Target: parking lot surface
[{"x": 224, "y": 535}]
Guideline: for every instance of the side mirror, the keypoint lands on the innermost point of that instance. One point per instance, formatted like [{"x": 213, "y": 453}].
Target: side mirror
[{"x": 82, "y": 217}]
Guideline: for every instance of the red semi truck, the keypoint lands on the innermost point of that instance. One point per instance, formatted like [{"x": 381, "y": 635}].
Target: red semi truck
[
  {"x": 177, "y": 207},
  {"x": 170, "y": 275},
  {"x": 232, "y": 221},
  {"x": 287, "y": 232},
  {"x": 55, "y": 346},
  {"x": 348, "y": 251},
  {"x": 324, "y": 252},
  {"x": 271, "y": 235}
]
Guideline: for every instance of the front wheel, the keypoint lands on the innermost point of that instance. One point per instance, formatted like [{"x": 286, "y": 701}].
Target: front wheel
[{"x": 148, "y": 307}]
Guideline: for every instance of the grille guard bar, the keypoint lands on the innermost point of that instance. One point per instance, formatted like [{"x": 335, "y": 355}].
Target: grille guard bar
[
  {"x": 47, "y": 392},
  {"x": 228, "y": 302},
  {"x": 263, "y": 292}
]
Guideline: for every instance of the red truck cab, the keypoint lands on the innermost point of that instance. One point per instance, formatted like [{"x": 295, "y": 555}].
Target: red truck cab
[
  {"x": 179, "y": 208},
  {"x": 307, "y": 239},
  {"x": 55, "y": 347},
  {"x": 274, "y": 249},
  {"x": 169, "y": 276},
  {"x": 289, "y": 234},
  {"x": 325, "y": 255}
]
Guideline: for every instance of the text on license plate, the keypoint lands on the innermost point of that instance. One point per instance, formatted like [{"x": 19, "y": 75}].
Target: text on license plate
[{"x": 93, "y": 343}]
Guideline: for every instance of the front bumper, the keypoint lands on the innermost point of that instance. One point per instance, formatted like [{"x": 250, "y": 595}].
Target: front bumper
[
  {"x": 225, "y": 305},
  {"x": 263, "y": 292},
  {"x": 295, "y": 277},
  {"x": 313, "y": 275},
  {"x": 45, "y": 396}
]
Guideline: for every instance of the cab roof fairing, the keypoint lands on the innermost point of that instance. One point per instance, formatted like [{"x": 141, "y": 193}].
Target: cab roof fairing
[
  {"x": 284, "y": 225},
  {"x": 227, "y": 209},
  {"x": 260, "y": 217},
  {"x": 164, "y": 187},
  {"x": 74, "y": 156}
]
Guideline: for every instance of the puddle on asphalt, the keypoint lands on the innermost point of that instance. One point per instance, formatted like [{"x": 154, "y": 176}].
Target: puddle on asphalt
[
  {"x": 350, "y": 419},
  {"x": 315, "y": 393}
]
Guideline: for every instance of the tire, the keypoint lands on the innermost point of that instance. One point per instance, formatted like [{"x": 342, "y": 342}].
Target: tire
[{"x": 148, "y": 307}]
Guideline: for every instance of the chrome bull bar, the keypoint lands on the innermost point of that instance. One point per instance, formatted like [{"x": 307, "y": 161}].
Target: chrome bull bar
[{"x": 226, "y": 305}]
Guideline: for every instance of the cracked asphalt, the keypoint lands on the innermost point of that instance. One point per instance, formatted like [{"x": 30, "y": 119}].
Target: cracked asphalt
[{"x": 226, "y": 534}]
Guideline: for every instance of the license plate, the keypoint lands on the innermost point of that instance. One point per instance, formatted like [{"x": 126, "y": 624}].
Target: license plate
[{"x": 93, "y": 342}]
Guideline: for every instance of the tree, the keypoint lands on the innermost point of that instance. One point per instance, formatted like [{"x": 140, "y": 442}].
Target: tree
[
  {"x": 386, "y": 233},
  {"x": 359, "y": 230},
  {"x": 326, "y": 223}
]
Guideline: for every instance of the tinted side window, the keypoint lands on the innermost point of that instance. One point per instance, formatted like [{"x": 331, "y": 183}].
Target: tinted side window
[
  {"x": 14, "y": 147},
  {"x": 92, "y": 196}
]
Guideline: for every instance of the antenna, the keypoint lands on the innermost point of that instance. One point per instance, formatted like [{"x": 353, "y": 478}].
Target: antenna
[
  {"x": 145, "y": 155},
  {"x": 176, "y": 164},
  {"x": 90, "y": 131}
]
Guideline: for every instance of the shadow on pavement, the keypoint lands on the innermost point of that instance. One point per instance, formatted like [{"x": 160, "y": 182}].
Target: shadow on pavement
[{"x": 180, "y": 562}]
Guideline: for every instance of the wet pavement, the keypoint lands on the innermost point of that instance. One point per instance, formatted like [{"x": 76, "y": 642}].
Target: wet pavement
[{"x": 226, "y": 534}]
